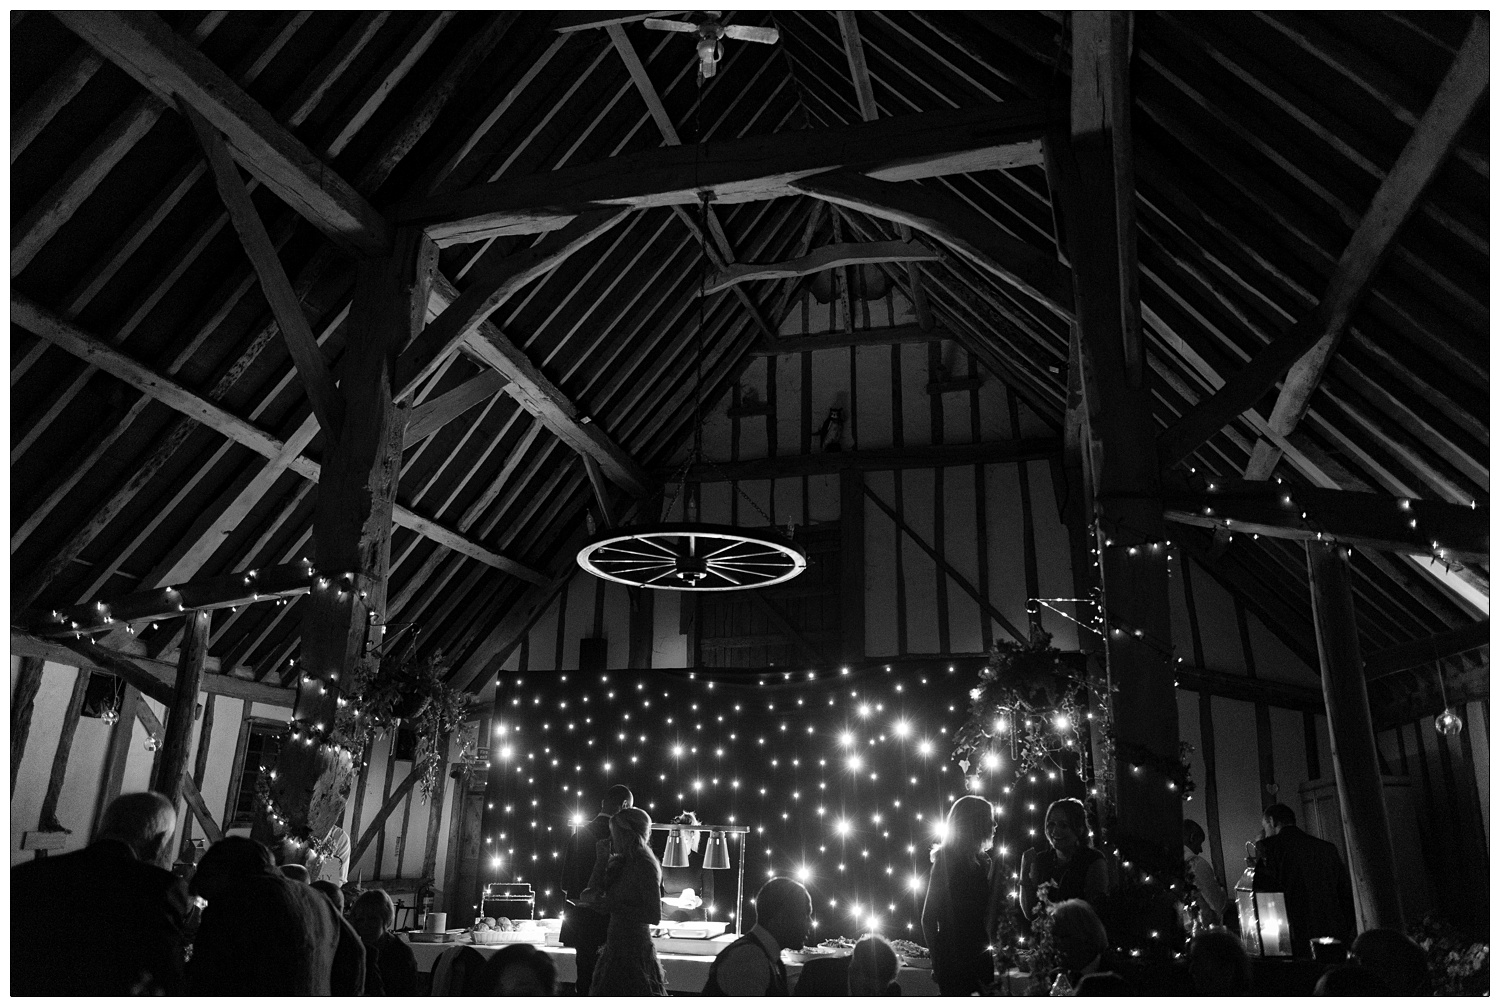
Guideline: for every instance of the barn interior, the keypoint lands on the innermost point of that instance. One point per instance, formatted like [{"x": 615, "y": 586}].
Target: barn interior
[{"x": 1160, "y": 339}]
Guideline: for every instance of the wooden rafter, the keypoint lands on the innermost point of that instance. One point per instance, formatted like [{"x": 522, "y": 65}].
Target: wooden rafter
[
  {"x": 1431, "y": 650},
  {"x": 864, "y": 92},
  {"x": 229, "y": 591},
  {"x": 827, "y": 257},
  {"x": 489, "y": 287},
  {"x": 436, "y": 413},
  {"x": 544, "y": 400},
  {"x": 161, "y": 673},
  {"x": 1368, "y": 520},
  {"x": 317, "y": 379},
  {"x": 1306, "y": 348},
  {"x": 86, "y": 347},
  {"x": 749, "y": 168},
  {"x": 581, "y": 20},
  {"x": 891, "y": 335},
  {"x": 144, "y": 47},
  {"x": 876, "y": 460},
  {"x": 720, "y": 240},
  {"x": 1028, "y": 269}
]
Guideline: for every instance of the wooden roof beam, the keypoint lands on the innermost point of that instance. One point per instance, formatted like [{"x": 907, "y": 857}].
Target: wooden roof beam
[
  {"x": 1419, "y": 162},
  {"x": 317, "y": 380},
  {"x": 1367, "y": 520},
  {"x": 143, "y": 46},
  {"x": 849, "y": 253},
  {"x": 581, "y": 20},
  {"x": 436, "y": 413},
  {"x": 1429, "y": 650},
  {"x": 876, "y": 460},
  {"x": 527, "y": 384},
  {"x": 883, "y": 336},
  {"x": 652, "y": 98},
  {"x": 864, "y": 91},
  {"x": 1301, "y": 355},
  {"x": 228, "y": 591},
  {"x": 490, "y": 286},
  {"x": 741, "y": 170},
  {"x": 159, "y": 676},
  {"x": 1027, "y": 269},
  {"x": 40, "y": 321}
]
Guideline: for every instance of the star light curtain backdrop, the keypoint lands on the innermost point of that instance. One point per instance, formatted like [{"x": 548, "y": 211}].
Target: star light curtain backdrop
[{"x": 844, "y": 777}]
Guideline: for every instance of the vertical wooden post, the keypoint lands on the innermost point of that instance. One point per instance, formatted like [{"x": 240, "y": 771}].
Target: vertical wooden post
[
  {"x": 117, "y": 753},
  {"x": 1356, "y": 766},
  {"x": 47, "y": 820},
  {"x": 200, "y": 761},
  {"x": 435, "y": 810},
  {"x": 22, "y": 703},
  {"x": 852, "y": 564},
  {"x": 1129, "y": 529},
  {"x": 344, "y": 612},
  {"x": 172, "y": 759}
]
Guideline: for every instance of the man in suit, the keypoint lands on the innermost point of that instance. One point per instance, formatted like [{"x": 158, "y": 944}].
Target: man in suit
[
  {"x": 584, "y": 928},
  {"x": 117, "y": 894},
  {"x": 1310, "y": 874},
  {"x": 752, "y": 966},
  {"x": 264, "y": 934}
]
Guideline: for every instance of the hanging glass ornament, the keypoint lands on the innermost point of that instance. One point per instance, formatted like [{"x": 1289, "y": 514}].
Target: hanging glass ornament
[
  {"x": 150, "y": 742},
  {"x": 1448, "y": 723},
  {"x": 110, "y": 716}
]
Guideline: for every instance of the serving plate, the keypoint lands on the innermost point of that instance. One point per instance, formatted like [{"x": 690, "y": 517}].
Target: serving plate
[{"x": 423, "y": 937}]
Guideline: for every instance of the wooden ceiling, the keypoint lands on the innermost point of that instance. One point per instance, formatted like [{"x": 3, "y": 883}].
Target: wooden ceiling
[{"x": 160, "y": 433}]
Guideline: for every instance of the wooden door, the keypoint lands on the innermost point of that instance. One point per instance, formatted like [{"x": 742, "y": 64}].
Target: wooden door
[{"x": 462, "y": 895}]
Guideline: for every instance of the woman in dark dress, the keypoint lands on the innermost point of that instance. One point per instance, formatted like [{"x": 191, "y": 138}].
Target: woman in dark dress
[
  {"x": 958, "y": 893},
  {"x": 626, "y": 884},
  {"x": 1070, "y": 868}
]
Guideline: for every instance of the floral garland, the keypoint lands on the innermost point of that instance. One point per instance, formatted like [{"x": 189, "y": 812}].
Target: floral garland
[{"x": 1031, "y": 701}]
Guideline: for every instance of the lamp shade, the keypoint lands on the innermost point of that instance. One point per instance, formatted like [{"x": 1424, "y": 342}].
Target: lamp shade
[
  {"x": 717, "y": 856},
  {"x": 677, "y": 850}
]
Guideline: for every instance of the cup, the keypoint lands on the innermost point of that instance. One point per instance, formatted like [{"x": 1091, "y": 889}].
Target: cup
[{"x": 436, "y": 923}]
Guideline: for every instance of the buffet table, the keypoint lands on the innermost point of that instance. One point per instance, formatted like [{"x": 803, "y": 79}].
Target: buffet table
[{"x": 685, "y": 973}]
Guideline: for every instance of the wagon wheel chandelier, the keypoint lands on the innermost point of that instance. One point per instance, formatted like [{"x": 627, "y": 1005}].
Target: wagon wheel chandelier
[{"x": 689, "y": 555}]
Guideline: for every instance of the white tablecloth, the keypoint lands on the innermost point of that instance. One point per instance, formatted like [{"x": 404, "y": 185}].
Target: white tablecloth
[{"x": 685, "y": 973}]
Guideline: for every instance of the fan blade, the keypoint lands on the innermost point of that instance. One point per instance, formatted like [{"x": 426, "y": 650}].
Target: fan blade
[
  {"x": 747, "y": 33},
  {"x": 661, "y": 25}
]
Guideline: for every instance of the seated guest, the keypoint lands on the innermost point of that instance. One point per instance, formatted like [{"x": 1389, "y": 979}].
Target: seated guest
[
  {"x": 1400, "y": 961},
  {"x": 119, "y": 886},
  {"x": 1070, "y": 867},
  {"x": 264, "y": 934},
  {"x": 296, "y": 872},
  {"x": 751, "y": 966},
  {"x": 390, "y": 965},
  {"x": 873, "y": 968},
  {"x": 1218, "y": 964},
  {"x": 334, "y": 892},
  {"x": 518, "y": 971},
  {"x": 1079, "y": 938},
  {"x": 1351, "y": 981},
  {"x": 1309, "y": 871}
]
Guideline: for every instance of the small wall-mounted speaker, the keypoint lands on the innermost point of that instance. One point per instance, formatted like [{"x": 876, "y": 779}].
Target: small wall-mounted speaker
[{"x": 593, "y": 654}]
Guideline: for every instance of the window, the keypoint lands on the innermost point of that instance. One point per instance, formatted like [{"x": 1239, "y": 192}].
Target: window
[{"x": 260, "y": 744}]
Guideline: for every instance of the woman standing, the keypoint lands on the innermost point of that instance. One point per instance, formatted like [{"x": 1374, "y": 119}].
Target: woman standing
[
  {"x": 1070, "y": 868},
  {"x": 958, "y": 893},
  {"x": 626, "y": 884}
]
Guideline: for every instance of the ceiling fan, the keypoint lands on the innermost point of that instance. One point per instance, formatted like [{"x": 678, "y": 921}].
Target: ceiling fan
[{"x": 709, "y": 32}]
